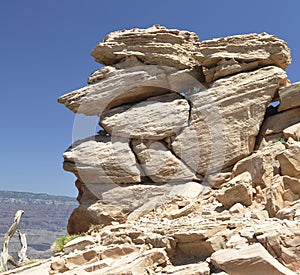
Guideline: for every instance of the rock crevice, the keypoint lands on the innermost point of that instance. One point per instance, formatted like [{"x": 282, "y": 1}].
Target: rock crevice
[{"x": 197, "y": 174}]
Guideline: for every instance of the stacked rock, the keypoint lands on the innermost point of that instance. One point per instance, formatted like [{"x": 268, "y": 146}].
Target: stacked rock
[{"x": 176, "y": 114}]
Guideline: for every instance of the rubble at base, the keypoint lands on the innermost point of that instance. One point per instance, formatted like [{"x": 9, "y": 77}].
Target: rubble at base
[{"x": 193, "y": 172}]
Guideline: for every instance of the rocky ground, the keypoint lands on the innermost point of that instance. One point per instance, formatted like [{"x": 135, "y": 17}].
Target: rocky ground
[{"x": 197, "y": 168}]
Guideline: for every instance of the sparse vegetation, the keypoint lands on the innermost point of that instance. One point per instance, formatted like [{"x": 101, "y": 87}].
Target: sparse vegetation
[
  {"x": 30, "y": 262},
  {"x": 95, "y": 228},
  {"x": 60, "y": 242},
  {"x": 278, "y": 139}
]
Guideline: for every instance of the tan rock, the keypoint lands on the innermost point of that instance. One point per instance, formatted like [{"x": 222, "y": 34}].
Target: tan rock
[
  {"x": 292, "y": 183},
  {"x": 273, "y": 126},
  {"x": 292, "y": 132},
  {"x": 237, "y": 208},
  {"x": 226, "y": 119},
  {"x": 159, "y": 164},
  {"x": 117, "y": 203},
  {"x": 237, "y": 242},
  {"x": 217, "y": 180},
  {"x": 253, "y": 259},
  {"x": 58, "y": 266},
  {"x": 97, "y": 213},
  {"x": 81, "y": 258},
  {"x": 189, "y": 190},
  {"x": 289, "y": 97},
  {"x": 116, "y": 252},
  {"x": 290, "y": 161},
  {"x": 79, "y": 243},
  {"x": 135, "y": 263},
  {"x": 282, "y": 240},
  {"x": 102, "y": 160},
  {"x": 189, "y": 269},
  {"x": 274, "y": 196},
  {"x": 237, "y": 190},
  {"x": 155, "y": 45},
  {"x": 234, "y": 54},
  {"x": 184, "y": 211},
  {"x": 262, "y": 164},
  {"x": 101, "y": 74},
  {"x": 287, "y": 213},
  {"x": 155, "y": 118},
  {"x": 118, "y": 87}
]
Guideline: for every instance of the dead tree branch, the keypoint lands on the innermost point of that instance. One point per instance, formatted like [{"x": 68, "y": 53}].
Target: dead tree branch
[{"x": 4, "y": 256}]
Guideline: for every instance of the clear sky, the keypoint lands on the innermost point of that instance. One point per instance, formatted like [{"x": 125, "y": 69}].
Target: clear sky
[{"x": 45, "y": 52}]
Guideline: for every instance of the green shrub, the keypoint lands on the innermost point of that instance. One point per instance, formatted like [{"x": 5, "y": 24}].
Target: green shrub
[
  {"x": 278, "y": 139},
  {"x": 60, "y": 242},
  {"x": 95, "y": 228}
]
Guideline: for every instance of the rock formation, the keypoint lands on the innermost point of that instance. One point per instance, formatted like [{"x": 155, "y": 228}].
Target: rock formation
[{"x": 194, "y": 171}]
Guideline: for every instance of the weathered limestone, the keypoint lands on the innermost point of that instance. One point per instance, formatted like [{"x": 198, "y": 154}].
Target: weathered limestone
[
  {"x": 262, "y": 164},
  {"x": 274, "y": 196},
  {"x": 290, "y": 161},
  {"x": 155, "y": 118},
  {"x": 226, "y": 119},
  {"x": 155, "y": 45},
  {"x": 237, "y": 190},
  {"x": 79, "y": 243},
  {"x": 190, "y": 269},
  {"x": 289, "y": 97},
  {"x": 230, "y": 55},
  {"x": 97, "y": 213},
  {"x": 273, "y": 126},
  {"x": 292, "y": 183},
  {"x": 117, "y": 88},
  {"x": 253, "y": 259},
  {"x": 180, "y": 116},
  {"x": 102, "y": 160},
  {"x": 159, "y": 164},
  {"x": 292, "y": 132}
]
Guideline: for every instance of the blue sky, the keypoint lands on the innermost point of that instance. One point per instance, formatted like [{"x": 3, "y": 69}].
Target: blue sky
[{"x": 45, "y": 52}]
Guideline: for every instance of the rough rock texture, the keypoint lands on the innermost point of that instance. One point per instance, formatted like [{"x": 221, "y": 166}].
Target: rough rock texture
[
  {"x": 226, "y": 119},
  {"x": 156, "y": 45},
  {"x": 292, "y": 132},
  {"x": 155, "y": 118},
  {"x": 262, "y": 164},
  {"x": 290, "y": 161},
  {"x": 230, "y": 55},
  {"x": 253, "y": 259},
  {"x": 192, "y": 172},
  {"x": 289, "y": 97},
  {"x": 159, "y": 164},
  {"x": 237, "y": 190},
  {"x": 116, "y": 88},
  {"x": 274, "y": 125},
  {"x": 101, "y": 159}
]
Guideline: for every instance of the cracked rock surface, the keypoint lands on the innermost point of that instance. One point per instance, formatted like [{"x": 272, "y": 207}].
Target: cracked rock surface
[{"x": 192, "y": 172}]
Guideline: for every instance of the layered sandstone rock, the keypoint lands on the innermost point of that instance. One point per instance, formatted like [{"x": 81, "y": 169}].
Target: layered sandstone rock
[
  {"x": 289, "y": 97},
  {"x": 192, "y": 173},
  {"x": 230, "y": 55}
]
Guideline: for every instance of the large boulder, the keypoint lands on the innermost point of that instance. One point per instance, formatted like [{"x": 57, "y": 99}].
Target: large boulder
[
  {"x": 237, "y": 190},
  {"x": 159, "y": 164},
  {"x": 273, "y": 126},
  {"x": 289, "y": 161},
  {"x": 233, "y": 54},
  {"x": 117, "y": 87},
  {"x": 155, "y": 118},
  {"x": 155, "y": 45},
  {"x": 226, "y": 119},
  {"x": 289, "y": 97},
  {"x": 262, "y": 164},
  {"x": 253, "y": 259},
  {"x": 102, "y": 160}
]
